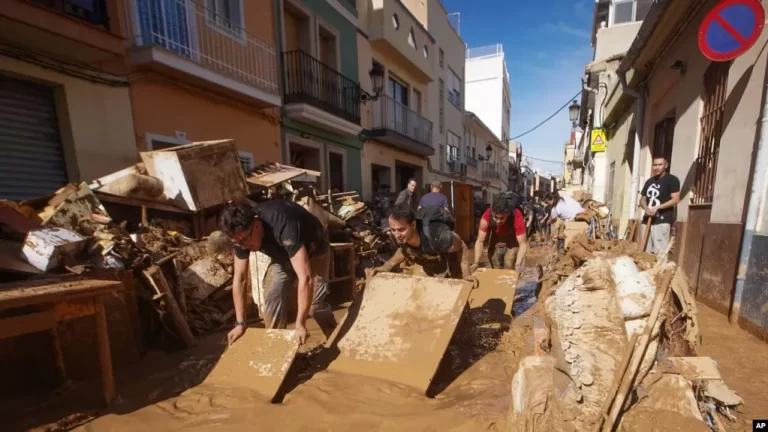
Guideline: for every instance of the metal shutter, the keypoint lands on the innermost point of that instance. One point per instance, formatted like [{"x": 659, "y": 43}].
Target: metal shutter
[{"x": 31, "y": 156}]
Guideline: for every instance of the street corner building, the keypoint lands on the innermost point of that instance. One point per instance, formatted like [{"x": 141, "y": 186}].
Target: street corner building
[
  {"x": 65, "y": 103},
  {"x": 654, "y": 93}
]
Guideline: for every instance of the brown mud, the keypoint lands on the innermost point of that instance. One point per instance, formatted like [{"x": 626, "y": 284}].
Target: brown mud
[{"x": 166, "y": 392}]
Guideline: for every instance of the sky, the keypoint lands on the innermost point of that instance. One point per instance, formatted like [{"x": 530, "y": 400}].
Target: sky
[{"x": 546, "y": 47}]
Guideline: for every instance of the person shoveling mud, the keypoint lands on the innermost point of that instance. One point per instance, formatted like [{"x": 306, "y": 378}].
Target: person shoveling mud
[
  {"x": 296, "y": 280},
  {"x": 426, "y": 238}
]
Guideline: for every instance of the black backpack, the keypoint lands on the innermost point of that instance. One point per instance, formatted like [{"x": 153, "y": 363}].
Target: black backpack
[{"x": 429, "y": 214}]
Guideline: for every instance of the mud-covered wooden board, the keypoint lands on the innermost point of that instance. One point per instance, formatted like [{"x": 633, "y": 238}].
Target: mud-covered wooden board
[
  {"x": 259, "y": 360},
  {"x": 401, "y": 329}
]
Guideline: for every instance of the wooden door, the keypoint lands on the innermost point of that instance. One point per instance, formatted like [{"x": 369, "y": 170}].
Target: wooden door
[{"x": 461, "y": 202}]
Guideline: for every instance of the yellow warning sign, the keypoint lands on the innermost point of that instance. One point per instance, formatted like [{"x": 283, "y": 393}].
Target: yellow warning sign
[{"x": 598, "y": 141}]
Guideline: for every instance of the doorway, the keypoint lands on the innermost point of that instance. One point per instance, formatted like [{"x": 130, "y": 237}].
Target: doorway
[
  {"x": 307, "y": 157},
  {"x": 381, "y": 180},
  {"x": 336, "y": 171},
  {"x": 404, "y": 172}
]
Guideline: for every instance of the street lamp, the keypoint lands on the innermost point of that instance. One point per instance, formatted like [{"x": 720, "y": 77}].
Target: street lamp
[
  {"x": 377, "y": 81},
  {"x": 573, "y": 112},
  {"x": 488, "y": 153}
]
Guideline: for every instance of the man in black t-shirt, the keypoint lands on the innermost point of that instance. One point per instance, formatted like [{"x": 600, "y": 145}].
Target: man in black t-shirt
[
  {"x": 296, "y": 279},
  {"x": 660, "y": 195},
  {"x": 440, "y": 252}
]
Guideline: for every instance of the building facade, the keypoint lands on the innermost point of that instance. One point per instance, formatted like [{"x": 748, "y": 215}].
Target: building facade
[
  {"x": 65, "y": 104},
  {"x": 492, "y": 159},
  {"x": 705, "y": 117},
  {"x": 321, "y": 112},
  {"x": 487, "y": 84},
  {"x": 204, "y": 70},
  {"x": 605, "y": 172}
]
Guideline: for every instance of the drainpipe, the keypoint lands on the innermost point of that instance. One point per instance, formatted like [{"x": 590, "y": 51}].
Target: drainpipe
[
  {"x": 639, "y": 123},
  {"x": 756, "y": 197}
]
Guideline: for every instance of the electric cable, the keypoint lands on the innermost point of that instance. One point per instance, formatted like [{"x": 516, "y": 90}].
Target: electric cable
[{"x": 548, "y": 118}]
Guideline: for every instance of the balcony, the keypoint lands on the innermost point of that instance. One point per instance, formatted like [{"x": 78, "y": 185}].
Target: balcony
[
  {"x": 472, "y": 162},
  {"x": 317, "y": 94},
  {"x": 394, "y": 31},
  {"x": 491, "y": 174},
  {"x": 456, "y": 166},
  {"x": 397, "y": 125},
  {"x": 185, "y": 39},
  {"x": 77, "y": 31}
]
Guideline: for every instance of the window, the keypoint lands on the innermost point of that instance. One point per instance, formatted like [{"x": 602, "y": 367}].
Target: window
[
  {"x": 442, "y": 105},
  {"x": 395, "y": 21},
  {"x": 474, "y": 145},
  {"x": 627, "y": 11},
  {"x": 715, "y": 87},
  {"x": 296, "y": 29},
  {"x": 412, "y": 39},
  {"x": 326, "y": 46},
  {"x": 454, "y": 143},
  {"x": 609, "y": 193},
  {"x": 454, "y": 89},
  {"x": 442, "y": 58},
  {"x": 227, "y": 16}
]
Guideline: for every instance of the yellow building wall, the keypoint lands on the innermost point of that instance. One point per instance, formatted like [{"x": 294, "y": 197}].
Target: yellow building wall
[
  {"x": 163, "y": 108},
  {"x": 379, "y": 154},
  {"x": 95, "y": 120}
]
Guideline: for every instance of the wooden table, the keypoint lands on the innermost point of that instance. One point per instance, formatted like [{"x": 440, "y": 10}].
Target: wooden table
[{"x": 37, "y": 305}]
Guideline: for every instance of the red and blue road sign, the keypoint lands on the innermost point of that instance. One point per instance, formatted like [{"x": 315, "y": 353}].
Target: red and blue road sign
[{"x": 731, "y": 28}]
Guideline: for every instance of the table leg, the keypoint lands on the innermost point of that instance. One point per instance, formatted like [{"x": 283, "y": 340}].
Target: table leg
[
  {"x": 105, "y": 355},
  {"x": 58, "y": 355}
]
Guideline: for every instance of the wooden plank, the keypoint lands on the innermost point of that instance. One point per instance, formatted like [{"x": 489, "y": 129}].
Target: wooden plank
[
  {"x": 10, "y": 258},
  {"x": 52, "y": 290},
  {"x": 73, "y": 309},
  {"x": 25, "y": 324},
  {"x": 154, "y": 276},
  {"x": 58, "y": 355},
  {"x": 105, "y": 355},
  {"x": 133, "y": 202},
  {"x": 694, "y": 368}
]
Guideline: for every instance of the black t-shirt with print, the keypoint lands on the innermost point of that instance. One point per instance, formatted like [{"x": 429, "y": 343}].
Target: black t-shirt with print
[
  {"x": 287, "y": 227},
  {"x": 657, "y": 191}
]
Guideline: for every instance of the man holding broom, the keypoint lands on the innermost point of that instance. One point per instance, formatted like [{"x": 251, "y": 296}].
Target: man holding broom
[{"x": 660, "y": 195}]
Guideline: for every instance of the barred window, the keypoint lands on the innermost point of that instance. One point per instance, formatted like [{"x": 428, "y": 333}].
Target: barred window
[{"x": 715, "y": 87}]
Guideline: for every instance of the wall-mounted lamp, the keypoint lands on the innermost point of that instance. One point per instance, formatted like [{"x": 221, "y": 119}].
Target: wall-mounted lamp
[
  {"x": 377, "y": 80},
  {"x": 680, "y": 65},
  {"x": 488, "y": 153}
]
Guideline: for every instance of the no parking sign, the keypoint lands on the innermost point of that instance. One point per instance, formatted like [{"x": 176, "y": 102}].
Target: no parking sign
[{"x": 731, "y": 28}]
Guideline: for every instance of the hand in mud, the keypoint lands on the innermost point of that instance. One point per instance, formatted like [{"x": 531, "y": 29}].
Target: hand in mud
[
  {"x": 369, "y": 273},
  {"x": 473, "y": 279},
  {"x": 473, "y": 267},
  {"x": 235, "y": 334},
  {"x": 300, "y": 334}
]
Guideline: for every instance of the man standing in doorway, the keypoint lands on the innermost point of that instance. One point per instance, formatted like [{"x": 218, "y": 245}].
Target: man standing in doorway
[
  {"x": 660, "y": 195},
  {"x": 408, "y": 195},
  {"x": 434, "y": 198}
]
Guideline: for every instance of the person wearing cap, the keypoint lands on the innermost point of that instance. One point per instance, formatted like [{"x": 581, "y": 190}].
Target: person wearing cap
[
  {"x": 296, "y": 279},
  {"x": 434, "y": 198}
]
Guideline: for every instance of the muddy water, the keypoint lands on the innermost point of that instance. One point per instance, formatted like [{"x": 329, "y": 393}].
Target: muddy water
[
  {"x": 476, "y": 398},
  {"x": 472, "y": 386}
]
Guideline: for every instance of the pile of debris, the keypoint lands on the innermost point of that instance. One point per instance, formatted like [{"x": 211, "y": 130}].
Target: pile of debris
[
  {"x": 153, "y": 220},
  {"x": 620, "y": 348}
]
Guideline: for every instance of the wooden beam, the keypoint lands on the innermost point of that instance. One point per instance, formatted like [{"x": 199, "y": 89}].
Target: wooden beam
[
  {"x": 25, "y": 324},
  {"x": 154, "y": 277},
  {"x": 105, "y": 354}
]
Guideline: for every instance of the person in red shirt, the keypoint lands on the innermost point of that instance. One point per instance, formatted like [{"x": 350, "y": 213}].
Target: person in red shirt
[{"x": 508, "y": 243}]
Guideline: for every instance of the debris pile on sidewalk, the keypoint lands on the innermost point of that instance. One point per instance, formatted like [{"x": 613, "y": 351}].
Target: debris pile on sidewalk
[
  {"x": 620, "y": 348},
  {"x": 157, "y": 230}
]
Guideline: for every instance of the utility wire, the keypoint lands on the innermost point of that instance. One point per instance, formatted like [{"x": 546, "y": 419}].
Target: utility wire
[
  {"x": 542, "y": 160},
  {"x": 548, "y": 118}
]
